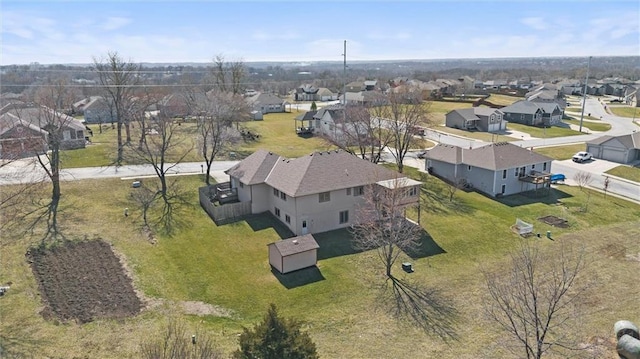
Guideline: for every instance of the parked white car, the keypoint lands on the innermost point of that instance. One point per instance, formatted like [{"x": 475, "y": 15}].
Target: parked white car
[{"x": 582, "y": 156}]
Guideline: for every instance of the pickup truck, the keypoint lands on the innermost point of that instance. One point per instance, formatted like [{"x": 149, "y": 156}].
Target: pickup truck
[{"x": 582, "y": 156}]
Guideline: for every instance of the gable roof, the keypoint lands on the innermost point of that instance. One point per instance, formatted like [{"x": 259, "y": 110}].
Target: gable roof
[
  {"x": 8, "y": 121},
  {"x": 315, "y": 173},
  {"x": 295, "y": 245},
  {"x": 523, "y": 106},
  {"x": 630, "y": 141},
  {"x": 465, "y": 113},
  {"x": 485, "y": 111},
  {"x": 496, "y": 156},
  {"x": 265, "y": 99},
  {"x": 33, "y": 114},
  {"x": 307, "y": 116}
]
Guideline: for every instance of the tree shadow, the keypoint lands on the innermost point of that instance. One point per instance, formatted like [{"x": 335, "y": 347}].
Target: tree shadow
[
  {"x": 336, "y": 243},
  {"x": 14, "y": 345},
  {"x": 436, "y": 199},
  {"x": 425, "y": 308},
  {"x": 427, "y": 248},
  {"x": 298, "y": 278}
]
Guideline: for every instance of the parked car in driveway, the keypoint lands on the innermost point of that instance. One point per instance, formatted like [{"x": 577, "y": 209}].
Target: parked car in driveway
[
  {"x": 421, "y": 155},
  {"x": 582, "y": 156}
]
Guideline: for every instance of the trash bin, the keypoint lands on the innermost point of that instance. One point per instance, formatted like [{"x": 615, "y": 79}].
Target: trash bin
[{"x": 549, "y": 234}]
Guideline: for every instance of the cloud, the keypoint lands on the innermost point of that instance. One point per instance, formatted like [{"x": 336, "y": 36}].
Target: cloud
[
  {"x": 536, "y": 23},
  {"x": 114, "y": 23},
  {"x": 262, "y": 35}
]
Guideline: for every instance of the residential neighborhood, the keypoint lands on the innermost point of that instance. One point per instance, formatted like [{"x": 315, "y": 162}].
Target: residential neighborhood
[{"x": 280, "y": 180}]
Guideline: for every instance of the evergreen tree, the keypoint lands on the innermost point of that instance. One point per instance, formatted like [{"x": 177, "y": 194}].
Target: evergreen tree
[
  {"x": 314, "y": 106},
  {"x": 276, "y": 338}
]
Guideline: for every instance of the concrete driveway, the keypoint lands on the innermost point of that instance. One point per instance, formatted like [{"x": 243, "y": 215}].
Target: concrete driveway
[{"x": 595, "y": 166}]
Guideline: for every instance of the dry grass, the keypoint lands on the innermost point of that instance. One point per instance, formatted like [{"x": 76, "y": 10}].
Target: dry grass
[
  {"x": 504, "y": 100},
  {"x": 227, "y": 266}
]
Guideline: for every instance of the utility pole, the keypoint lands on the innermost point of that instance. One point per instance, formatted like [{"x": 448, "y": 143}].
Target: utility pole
[
  {"x": 584, "y": 94},
  {"x": 344, "y": 75}
]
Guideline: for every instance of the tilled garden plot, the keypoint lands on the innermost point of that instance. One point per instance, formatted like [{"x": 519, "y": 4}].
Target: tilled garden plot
[{"x": 83, "y": 281}]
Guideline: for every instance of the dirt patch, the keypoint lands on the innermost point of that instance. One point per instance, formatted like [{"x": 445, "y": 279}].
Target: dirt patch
[
  {"x": 554, "y": 221},
  {"x": 201, "y": 308},
  {"x": 83, "y": 281}
]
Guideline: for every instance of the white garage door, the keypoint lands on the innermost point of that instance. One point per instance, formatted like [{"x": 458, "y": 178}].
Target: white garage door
[{"x": 614, "y": 155}]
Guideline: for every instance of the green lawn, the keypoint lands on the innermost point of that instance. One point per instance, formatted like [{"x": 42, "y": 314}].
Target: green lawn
[
  {"x": 560, "y": 152},
  {"x": 504, "y": 100},
  {"x": 277, "y": 134},
  {"x": 484, "y": 136},
  {"x": 625, "y": 111},
  {"x": 438, "y": 110},
  {"x": 593, "y": 126},
  {"x": 538, "y": 132},
  {"x": 628, "y": 172},
  {"x": 228, "y": 266}
]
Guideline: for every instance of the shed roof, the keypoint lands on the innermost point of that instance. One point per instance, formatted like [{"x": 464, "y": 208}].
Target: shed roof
[{"x": 296, "y": 245}]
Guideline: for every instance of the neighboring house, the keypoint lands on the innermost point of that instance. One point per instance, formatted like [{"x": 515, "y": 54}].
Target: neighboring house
[
  {"x": 324, "y": 94},
  {"x": 476, "y": 118},
  {"x": 496, "y": 169},
  {"x": 178, "y": 105},
  {"x": 97, "y": 110},
  {"x": 73, "y": 135},
  {"x": 632, "y": 96},
  {"x": 314, "y": 193},
  {"x": 20, "y": 138},
  {"x": 291, "y": 254},
  {"x": 533, "y": 113},
  {"x": 622, "y": 149},
  {"x": 306, "y": 92},
  {"x": 355, "y": 86},
  {"x": 267, "y": 103}
]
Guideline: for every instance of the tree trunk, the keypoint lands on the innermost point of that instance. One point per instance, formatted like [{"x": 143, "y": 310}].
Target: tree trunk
[
  {"x": 127, "y": 128},
  {"x": 208, "y": 173},
  {"x": 120, "y": 145}
]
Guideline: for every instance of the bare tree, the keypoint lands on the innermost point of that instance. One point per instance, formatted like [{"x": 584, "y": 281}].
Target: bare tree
[
  {"x": 156, "y": 150},
  {"x": 535, "y": 301},
  {"x": 382, "y": 225},
  {"x": 118, "y": 79},
  {"x": 405, "y": 115},
  {"x": 584, "y": 179},
  {"x": 219, "y": 111},
  {"x": 453, "y": 187},
  {"x": 47, "y": 112},
  {"x": 360, "y": 133},
  {"x": 228, "y": 75},
  {"x": 175, "y": 343}
]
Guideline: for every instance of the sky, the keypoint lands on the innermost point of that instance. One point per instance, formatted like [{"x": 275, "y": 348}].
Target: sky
[{"x": 65, "y": 32}]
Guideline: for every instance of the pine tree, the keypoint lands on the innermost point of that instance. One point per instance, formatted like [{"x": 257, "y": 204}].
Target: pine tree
[
  {"x": 314, "y": 106},
  {"x": 276, "y": 338}
]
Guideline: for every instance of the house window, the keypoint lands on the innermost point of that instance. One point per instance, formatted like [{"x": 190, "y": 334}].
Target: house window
[
  {"x": 358, "y": 191},
  {"x": 276, "y": 192},
  {"x": 241, "y": 185},
  {"x": 412, "y": 192},
  {"x": 344, "y": 217},
  {"x": 533, "y": 167},
  {"x": 349, "y": 191},
  {"x": 277, "y": 211},
  {"x": 523, "y": 171},
  {"x": 503, "y": 189},
  {"x": 324, "y": 197},
  {"x": 66, "y": 135},
  {"x": 504, "y": 174},
  {"x": 283, "y": 196},
  {"x": 544, "y": 166},
  {"x": 517, "y": 172},
  {"x": 468, "y": 168},
  {"x": 287, "y": 218}
]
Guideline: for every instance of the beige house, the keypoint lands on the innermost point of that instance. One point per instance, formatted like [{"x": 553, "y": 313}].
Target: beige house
[
  {"x": 315, "y": 193},
  {"x": 291, "y": 254}
]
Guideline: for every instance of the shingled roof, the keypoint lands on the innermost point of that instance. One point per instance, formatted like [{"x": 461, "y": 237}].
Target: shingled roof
[
  {"x": 295, "y": 245},
  {"x": 496, "y": 156},
  {"x": 315, "y": 173}
]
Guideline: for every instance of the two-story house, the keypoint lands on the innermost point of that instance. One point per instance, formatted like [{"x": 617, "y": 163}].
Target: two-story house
[
  {"x": 477, "y": 118},
  {"x": 315, "y": 193}
]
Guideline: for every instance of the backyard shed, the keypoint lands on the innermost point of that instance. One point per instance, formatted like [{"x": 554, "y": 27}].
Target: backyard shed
[{"x": 292, "y": 254}]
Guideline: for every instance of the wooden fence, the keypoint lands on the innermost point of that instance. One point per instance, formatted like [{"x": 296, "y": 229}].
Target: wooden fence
[{"x": 223, "y": 213}]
